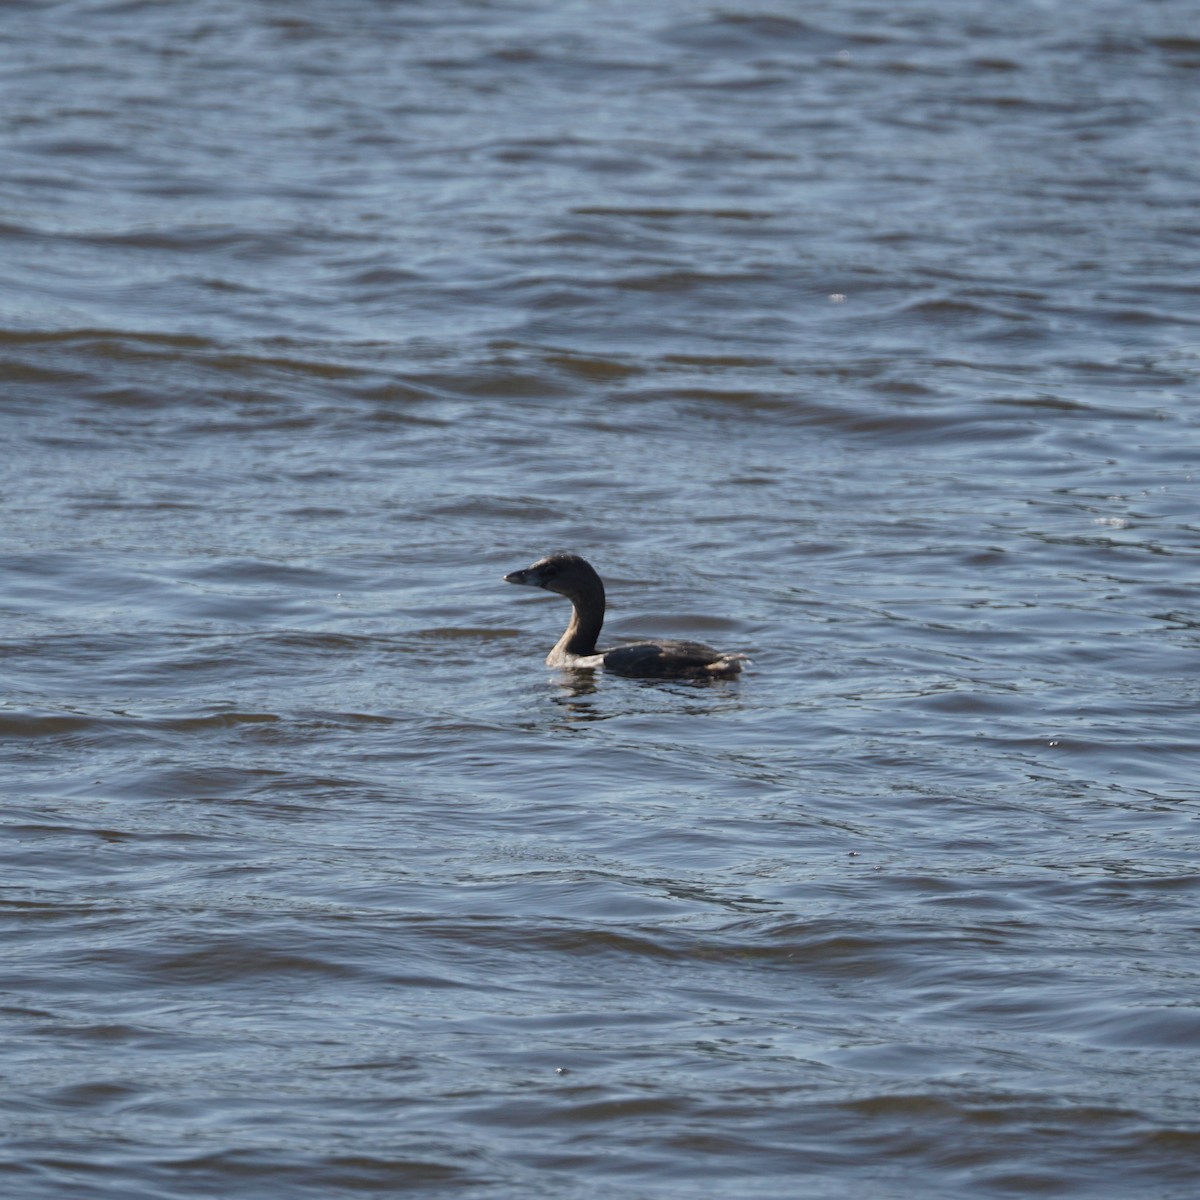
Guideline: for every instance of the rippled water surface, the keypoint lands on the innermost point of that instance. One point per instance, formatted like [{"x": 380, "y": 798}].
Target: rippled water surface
[{"x": 861, "y": 338}]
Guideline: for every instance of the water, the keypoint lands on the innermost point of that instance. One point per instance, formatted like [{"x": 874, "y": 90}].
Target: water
[{"x": 863, "y": 339}]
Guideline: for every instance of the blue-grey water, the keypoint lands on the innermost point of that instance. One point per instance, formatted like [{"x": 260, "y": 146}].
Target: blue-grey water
[{"x": 861, "y": 338}]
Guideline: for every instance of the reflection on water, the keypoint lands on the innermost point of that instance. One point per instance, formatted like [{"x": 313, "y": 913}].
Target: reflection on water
[
  {"x": 858, "y": 339},
  {"x": 573, "y": 690}
]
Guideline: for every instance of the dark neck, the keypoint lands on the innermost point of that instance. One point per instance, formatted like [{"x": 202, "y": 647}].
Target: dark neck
[{"x": 586, "y": 620}]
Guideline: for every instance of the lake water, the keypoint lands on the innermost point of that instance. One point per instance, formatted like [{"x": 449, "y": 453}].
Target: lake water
[{"x": 864, "y": 339}]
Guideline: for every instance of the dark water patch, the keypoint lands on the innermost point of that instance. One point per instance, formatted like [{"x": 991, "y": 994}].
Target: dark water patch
[
  {"x": 465, "y": 634},
  {"x": 594, "y": 369},
  {"x": 261, "y": 1171},
  {"x": 43, "y": 724},
  {"x": 109, "y": 343},
  {"x": 26, "y": 373},
  {"x": 730, "y": 34},
  {"x": 675, "y": 214}
]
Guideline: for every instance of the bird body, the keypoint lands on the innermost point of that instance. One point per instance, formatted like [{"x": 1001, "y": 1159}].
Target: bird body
[{"x": 575, "y": 578}]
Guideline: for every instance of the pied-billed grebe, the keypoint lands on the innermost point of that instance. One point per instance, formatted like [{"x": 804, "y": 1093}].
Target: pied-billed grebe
[{"x": 574, "y": 577}]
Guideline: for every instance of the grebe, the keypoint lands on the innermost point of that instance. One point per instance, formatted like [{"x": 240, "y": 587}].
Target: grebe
[{"x": 574, "y": 577}]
